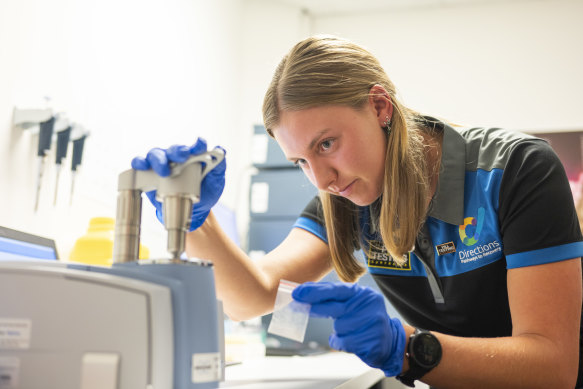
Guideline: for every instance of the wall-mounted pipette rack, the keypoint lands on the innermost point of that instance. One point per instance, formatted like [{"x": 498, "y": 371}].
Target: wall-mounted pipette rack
[{"x": 52, "y": 128}]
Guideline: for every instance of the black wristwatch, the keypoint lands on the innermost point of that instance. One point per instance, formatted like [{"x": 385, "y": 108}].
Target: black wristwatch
[{"x": 424, "y": 353}]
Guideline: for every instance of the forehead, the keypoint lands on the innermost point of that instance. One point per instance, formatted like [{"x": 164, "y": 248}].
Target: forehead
[
  {"x": 301, "y": 127},
  {"x": 310, "y": 116}
]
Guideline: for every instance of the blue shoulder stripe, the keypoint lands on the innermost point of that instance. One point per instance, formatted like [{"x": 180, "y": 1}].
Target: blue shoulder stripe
[
  {"x": 313, "y": 227},
  {"x": 547, "y": 255}
]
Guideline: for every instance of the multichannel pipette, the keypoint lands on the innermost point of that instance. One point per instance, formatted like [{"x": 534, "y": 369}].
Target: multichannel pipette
[
  {"x": 76, "y": 160},
  {"x": 62, "y": 147},
  {"x": 45, "y": 136}
]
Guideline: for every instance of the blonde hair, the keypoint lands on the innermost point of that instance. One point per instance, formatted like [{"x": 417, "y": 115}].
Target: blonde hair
[{"x": 326, "y": 70}]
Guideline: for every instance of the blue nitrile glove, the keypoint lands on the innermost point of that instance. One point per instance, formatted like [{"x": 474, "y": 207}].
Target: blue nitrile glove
[
  {"x": 361, "y": 323},
  {"x": 212, "y": 184}
]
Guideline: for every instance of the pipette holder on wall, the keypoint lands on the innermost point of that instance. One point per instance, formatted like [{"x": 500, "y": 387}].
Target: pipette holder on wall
[{"x": 26, "y": 118}]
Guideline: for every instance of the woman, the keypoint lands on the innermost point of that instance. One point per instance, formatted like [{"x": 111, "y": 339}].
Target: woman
[{"x": 470, "y": 233}]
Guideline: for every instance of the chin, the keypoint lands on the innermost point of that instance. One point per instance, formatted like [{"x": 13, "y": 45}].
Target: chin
[
  {"x": 360, "y": 199},
  {"x": 361, "y": 202},
  {"x": 366, "y": 201}
]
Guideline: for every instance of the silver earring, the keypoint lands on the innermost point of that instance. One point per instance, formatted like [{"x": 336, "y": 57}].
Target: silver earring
[{"x": 387, "y": 125}]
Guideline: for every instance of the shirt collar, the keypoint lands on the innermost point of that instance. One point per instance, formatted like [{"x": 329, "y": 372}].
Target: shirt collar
[{"x": 448, "y": 202}]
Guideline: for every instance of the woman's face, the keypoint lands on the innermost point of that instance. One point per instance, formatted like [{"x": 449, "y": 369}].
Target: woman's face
[{"x": 340, "y": 149}]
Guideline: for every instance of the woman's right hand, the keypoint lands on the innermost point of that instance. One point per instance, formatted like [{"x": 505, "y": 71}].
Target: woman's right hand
[{"x": 212, "y": 185}]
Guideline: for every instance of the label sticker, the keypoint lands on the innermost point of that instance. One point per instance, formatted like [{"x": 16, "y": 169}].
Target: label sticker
[
  {"x": 9, "y": 371},
  {"x": 206, "y": 367},
  {"x": 14, "y": 333},
  {"x": 445, "y": 248}
]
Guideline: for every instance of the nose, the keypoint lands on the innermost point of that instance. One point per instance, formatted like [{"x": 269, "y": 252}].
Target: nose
[{"x": 322, "y": 176}]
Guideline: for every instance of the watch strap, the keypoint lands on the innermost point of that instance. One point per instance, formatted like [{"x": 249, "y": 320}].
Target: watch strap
[
  {"x": 410, "y": 376},
  {"x": 415, "y": 371}
]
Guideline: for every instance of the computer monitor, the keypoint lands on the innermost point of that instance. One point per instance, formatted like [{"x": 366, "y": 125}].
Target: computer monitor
[{"x": 15, "y": 245}]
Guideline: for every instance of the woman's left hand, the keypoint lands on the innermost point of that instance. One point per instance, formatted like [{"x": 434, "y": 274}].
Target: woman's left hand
[{"x": 361, "y": 323}]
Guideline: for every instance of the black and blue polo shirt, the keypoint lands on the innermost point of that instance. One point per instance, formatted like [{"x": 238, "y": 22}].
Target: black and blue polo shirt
[{"x": 503, "y": 201}]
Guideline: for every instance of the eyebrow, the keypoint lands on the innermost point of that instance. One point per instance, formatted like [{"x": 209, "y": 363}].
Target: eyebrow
[
  {"x": 317, "y": 137},
  {"x": 313, "y": 142}
]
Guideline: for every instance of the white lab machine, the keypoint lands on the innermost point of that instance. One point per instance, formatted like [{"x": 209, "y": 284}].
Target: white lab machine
[{"x": 138, "y": 324}]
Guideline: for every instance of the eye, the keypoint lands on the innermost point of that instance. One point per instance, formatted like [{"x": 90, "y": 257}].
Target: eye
[
  {"x": 300, "y": 162},
  {"x": 326, "y": 144}
]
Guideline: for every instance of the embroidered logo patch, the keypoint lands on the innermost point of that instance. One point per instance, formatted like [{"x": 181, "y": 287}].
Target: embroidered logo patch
[
  {"x": 445, "y": 248},
  {"x": 472, "y": 226},
  {"x": 487, "y": 249},
  {"x": 378, "y": 256}
]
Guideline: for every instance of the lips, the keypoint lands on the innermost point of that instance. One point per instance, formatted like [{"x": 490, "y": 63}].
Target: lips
[{"x": 347, "y": 190}]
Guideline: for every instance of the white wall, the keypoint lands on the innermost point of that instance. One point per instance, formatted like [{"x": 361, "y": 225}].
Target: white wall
[
  {"x": 269, "y": 30},
  {"x": 516, "y": 64},
  {"x": 136, "y": 73}
]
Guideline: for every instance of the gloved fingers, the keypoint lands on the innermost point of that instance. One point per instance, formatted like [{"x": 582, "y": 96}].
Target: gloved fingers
[
  {"x": 218, "y": 172},
  {"x": 211, "y": 191},
  {"x": 178, "y": 153},
  {"x": 316, "y": 292},
  {"x": 336, "y": 342},
  {"x": 198, "y": 219},
  {"x": 151, "y": 195},
  {"x": 159, "y": 162},
  {"x": 372, "y": 349},
  {"x": 355, "y": 311},
  {"x": 376, "y": 347},
  {"x": 211, "y": 188},
  {"x": 140, "y": 163},
  {"x": 213, "y": 183},
  {"x": 222, "y": 166},
  {"x": 353, "y": 344},
  {"x": 366, "y": 301},
  {"x": 388, "y": 338},
  {"x": 198, "y": 147},
  {"x": 159, "y": 215},
  {"x": 331, "y": 309},
  {"x": 362, "y": 321},
  {"x": 221, "y": 148}
]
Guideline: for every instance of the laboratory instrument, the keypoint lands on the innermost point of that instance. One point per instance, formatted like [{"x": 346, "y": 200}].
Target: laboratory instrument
[
  {"x": 137, "y": 324},
  {"x": 78, "y": 145},
  {"x": 26, "y": 118},
  {"x": 45, "y": 136},
  {"x": 63, "y": 137},
  {"x": 213, "y": 185}
]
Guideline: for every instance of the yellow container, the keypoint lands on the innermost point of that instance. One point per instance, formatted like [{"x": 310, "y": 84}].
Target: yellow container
[{"x": 96, "y": 247}]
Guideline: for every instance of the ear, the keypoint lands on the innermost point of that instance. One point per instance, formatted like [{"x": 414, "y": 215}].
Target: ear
[{"x": 381, "y": 102}]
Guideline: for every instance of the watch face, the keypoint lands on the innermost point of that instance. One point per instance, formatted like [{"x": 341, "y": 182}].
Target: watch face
[{"x": 426, "y": 350}]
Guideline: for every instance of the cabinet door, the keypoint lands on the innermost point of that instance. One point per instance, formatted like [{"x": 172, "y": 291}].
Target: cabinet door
[{"x": 279, "y": 193}]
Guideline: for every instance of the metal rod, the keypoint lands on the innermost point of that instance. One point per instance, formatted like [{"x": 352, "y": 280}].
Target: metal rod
[{"x": 126, "y": 242}]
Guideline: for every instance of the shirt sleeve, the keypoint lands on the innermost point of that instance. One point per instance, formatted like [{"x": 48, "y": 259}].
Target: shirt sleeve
[
  {"x": 537, "y": 216},
  {"x": 312, "y": 219}
]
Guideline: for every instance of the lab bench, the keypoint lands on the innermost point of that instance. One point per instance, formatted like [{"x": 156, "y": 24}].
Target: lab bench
[{"x": 325, "y": 371}]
